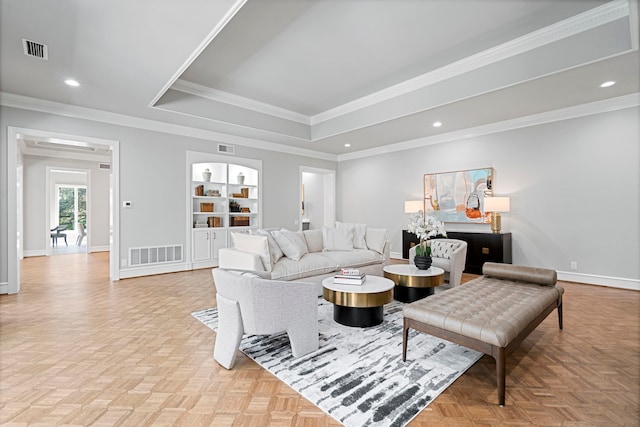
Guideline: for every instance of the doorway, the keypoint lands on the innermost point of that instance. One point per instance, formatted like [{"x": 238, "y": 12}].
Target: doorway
[
  {"x": 68, "y": 203},
  {"x": 68, "y": 147},
  {"x": 317, "y": 198}
]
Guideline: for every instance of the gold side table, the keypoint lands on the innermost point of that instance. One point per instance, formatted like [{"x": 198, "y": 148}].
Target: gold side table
[
  {"x": 411, "y": 283},
  {"x": 359, "y": 305}
]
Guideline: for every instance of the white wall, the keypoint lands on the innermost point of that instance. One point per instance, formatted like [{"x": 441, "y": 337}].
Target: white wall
[
  {"x": 152, "y": 176},
  {"x": 574, "y": 188}
]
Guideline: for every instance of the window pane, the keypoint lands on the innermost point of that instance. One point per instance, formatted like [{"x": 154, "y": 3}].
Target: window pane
[
  {"x": 82, "y": 206},
  {"x": 66, "y": 204}
]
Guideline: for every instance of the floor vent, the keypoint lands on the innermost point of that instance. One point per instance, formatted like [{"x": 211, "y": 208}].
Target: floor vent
[
  {"x": 35, "y": 49},
  {"x": 105, "y": 166},
  {"x": 155, "y": 255},
  {"x": 228, "y": 149}
]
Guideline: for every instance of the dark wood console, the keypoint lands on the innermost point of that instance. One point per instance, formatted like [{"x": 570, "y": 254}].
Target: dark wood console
[{"x": 483, "y": 247}]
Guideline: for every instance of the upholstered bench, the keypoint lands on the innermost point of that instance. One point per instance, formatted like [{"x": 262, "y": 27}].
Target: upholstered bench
[{"x": 492, "y": 314}]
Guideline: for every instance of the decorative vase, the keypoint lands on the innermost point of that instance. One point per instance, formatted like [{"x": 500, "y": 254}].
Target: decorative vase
[
  {"x": 206, "y": 175},
  {"x": 422, "y": 262},
  {"x": 241, "y": 178}
]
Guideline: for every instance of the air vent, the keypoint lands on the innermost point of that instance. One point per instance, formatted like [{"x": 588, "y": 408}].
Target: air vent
[
  {"x": 35, "y": 49},
  {"x": 105, "y": 166},
  {"x": 227, "y": 149},
  {"x": 155, "y": 255}
]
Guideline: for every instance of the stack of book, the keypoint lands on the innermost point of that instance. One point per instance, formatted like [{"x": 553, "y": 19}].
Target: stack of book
[{"x": 349, "y": 277}]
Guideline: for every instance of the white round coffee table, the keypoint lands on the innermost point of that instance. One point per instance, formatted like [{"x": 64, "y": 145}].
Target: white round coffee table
[
  {"x": 412, "y": 283},
  {"x": 359, "y": 305}
]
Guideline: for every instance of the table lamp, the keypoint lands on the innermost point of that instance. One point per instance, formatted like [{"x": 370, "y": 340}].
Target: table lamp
[
  {"x": 495, "y": 205},
  {"x": 413, "y": 206}
]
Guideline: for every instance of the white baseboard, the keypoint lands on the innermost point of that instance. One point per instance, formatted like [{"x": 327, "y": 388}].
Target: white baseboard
[
  {"x": 592, "y": 279},
  {"x": 395, "y": 255},
  {"x": 4, "y": 288},
  {"x": 38, "y": 252},
  {"x": 98, "y": 249},
  {"x": 154, "y": 269}
]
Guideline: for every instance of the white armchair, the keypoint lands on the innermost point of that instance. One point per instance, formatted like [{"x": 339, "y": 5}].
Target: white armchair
[
  {"x": 451, "y": 258},
  {"x": 248, "y": 304}
]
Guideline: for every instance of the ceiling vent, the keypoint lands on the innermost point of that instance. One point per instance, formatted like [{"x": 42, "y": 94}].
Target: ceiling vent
[
  {"x": 35, "y": 49},
  {"x": 227, "y": 149},
  {"x": 104, "y": 166}
]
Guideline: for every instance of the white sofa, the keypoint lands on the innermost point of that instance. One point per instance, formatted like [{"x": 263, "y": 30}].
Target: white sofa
[
  {"x": 310, "y": 255},
  {"x": 448, "y": 254}
]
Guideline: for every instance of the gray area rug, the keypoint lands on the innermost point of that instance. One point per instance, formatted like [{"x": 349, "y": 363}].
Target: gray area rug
[{"x": 357, "y": 376}]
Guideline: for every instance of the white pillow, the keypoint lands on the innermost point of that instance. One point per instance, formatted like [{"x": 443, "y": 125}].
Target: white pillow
[
  {"x": 292, "y": 244},
  {"x": 274, "y": 249},
  {"x": 314, "y": 240},
  {"x": 334, "y": 239},
  {"x": 258, "y": 245},
  {"x": 359, "y": 231},
  {"x": 376, "y": 239}
]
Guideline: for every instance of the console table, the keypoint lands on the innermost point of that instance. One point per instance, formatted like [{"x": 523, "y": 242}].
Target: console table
[{"x": 484, "y": 247}]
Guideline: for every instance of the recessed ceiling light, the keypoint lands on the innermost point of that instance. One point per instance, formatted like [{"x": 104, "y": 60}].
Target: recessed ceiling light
[
  {"x": 72, "y": 82},
  {"x": 347, "y": 145},
  {"x": 607, "y": 84},
  {"x": 437, "y": 124}
]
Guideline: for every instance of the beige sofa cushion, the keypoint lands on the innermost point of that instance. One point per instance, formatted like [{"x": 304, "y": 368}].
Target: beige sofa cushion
[
  {"x": 310, "y": 264},
  {"x": 337, "y": 239},
  {"x": 355, "y": 258},
  {"x": 254, "y": 244},
  {"x": 314, "y": 240},
  {"x": 359, "y": 231},
  {"x": 292, "y": 244},
  {"x": 376, "y": 239}
]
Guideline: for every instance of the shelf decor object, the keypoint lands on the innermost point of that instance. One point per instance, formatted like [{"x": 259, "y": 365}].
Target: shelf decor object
[
  {"x": 458, "y": 196},
  {"x": 206, "y": 175},
  {"x": 496, "y": 205}
]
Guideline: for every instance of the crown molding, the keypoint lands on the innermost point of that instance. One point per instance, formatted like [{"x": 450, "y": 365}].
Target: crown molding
[
  {"x": 34, "y": 104},
  {"x": 553, "y": 33},
  {"x": 66, "y": 110},
  {"x": 239, "y": 101},
  {"x": 202, "y": 46},
  {"x": 611, "y": 104}
]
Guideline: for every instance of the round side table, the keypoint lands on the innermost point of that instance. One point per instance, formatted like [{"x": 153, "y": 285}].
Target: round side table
[
  {"x": 359, "y": 305},
  {"x": 411, "y": 283}
]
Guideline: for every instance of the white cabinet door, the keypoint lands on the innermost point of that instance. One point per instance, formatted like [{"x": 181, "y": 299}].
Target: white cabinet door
[
  {"x": 201, "y": 245},
  {"x": 218, "y": 240}
]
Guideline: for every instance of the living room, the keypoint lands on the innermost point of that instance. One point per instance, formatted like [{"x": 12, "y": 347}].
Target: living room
[{"x": 571, "y": 171}]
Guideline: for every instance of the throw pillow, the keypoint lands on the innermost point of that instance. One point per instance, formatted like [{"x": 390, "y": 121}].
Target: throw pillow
[
  {"x": 292, "y": 244},
  {"x": 314, "y": 240},
  {"x": 376, "y": 239},
  {"x": 274, "y": 249},
  {"x": 442, "y": 249},
  {"x": 359, "y": 231},
  {"x": 258, "y": 245},
  {"x": 334, "y": 239}
]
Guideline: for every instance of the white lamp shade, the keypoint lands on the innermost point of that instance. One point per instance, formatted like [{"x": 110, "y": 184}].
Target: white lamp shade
[
  {"x": 413, "y": 206},
  {"x": 497, "y": 204}
]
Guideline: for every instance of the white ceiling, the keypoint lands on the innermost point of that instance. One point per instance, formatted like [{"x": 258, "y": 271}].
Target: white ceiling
[{"x": 317, "y": 74}]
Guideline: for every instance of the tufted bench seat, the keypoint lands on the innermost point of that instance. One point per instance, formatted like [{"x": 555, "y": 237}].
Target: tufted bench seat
[{"x": 492, "y": 314}]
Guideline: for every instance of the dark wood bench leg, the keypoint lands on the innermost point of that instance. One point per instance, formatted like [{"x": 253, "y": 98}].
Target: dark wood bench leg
[
  {"x": 405, "y": 337},
  {"x": 501, "y": 368},
  {"x": 560, "y": 314}
]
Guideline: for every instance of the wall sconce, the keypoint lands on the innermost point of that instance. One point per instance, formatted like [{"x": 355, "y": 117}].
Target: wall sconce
[
  {"x": 495, "y": 205},
  {"x": 413, "y": 206}
]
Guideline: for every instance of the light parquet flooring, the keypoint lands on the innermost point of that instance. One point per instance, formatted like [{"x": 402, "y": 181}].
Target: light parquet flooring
[{"x": 77, "y": 349}]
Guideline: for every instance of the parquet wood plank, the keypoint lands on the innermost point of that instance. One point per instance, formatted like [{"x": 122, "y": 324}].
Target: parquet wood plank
[{"x": 78, "y": 349}]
